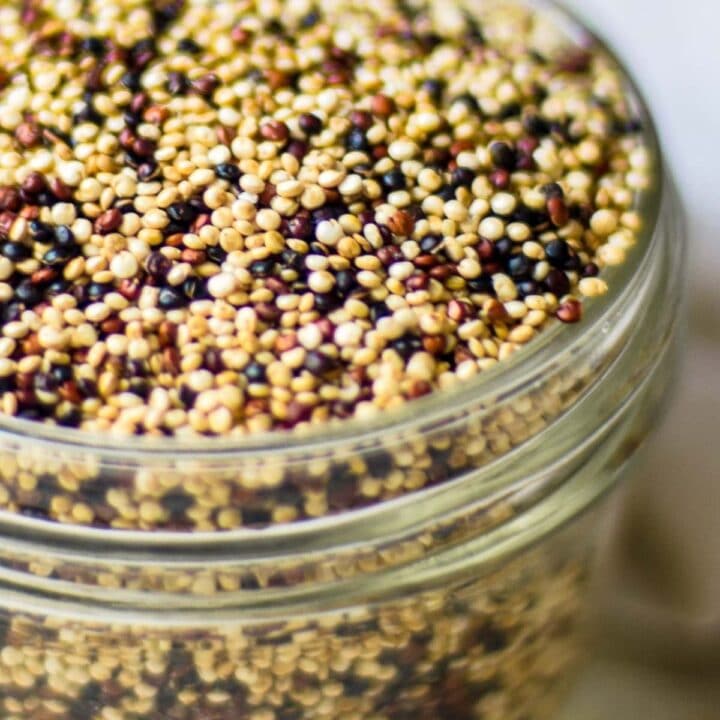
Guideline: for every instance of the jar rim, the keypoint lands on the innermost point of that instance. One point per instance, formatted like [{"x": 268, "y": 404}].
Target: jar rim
[{"x": 499, "y": 381}]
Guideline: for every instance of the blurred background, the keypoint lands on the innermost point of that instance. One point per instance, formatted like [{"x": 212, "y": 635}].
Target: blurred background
[{"x": 659, "y": 654}]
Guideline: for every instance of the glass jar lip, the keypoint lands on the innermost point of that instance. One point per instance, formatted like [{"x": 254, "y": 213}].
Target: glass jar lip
[{"x": 502, "y": 380}]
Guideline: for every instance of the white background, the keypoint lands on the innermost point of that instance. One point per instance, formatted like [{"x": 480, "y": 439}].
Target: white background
[{"x": 672, "y": 563}]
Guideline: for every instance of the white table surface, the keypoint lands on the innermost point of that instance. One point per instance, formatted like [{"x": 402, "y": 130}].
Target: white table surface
[{"x": 670, "y": 573}]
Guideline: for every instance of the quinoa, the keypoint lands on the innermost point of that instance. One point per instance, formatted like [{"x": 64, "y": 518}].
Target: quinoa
[
  {"x": 225, "y": 219},
  {"x": 229, "y": 218},
  {"x": 494, "y": 648}
]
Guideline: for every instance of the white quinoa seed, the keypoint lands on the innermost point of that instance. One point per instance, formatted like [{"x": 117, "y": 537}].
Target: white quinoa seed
[
  {"x": 491, "y": 228},
  {"x": 222, "y": 285},
  {"x": 592, "y": 286},
  {"x": 604, "y": 222},
  {"x": 402, "y": 150},
  {"x": 329, "y": 232},
  {"x": 124, "y": 265}
]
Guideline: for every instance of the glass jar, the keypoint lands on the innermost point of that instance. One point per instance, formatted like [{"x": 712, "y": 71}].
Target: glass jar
[{"x": 430, "y": 564}]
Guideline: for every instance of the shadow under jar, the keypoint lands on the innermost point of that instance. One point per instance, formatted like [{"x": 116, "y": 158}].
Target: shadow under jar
[{"x": 430, "y": 564}]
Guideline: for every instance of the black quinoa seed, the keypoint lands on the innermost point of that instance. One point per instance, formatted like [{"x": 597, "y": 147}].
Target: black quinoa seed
[
  {"x": 345, "y": 282},
  {"x": 41, "y": 232},
  {"x": 11, "y": 311},
  {"x": 171, "y": 298},
  {"x": 216, "y": 254},
  {"x": 64, "y": 236},
  {"x": 434, "y": 88},
  {"x": 88, "y": 114},
  {"x": 139, "y": 387},
  {"x": 62, "y": 373},
  {"x": 503, "y": 247},
  {"x": 318, "y": 363},
  {"x": 519, "y": 266},
  {"x": 406, "y": 346},
  {"x": 15, "y": 251},
  {"x": 256, "y": 517},
  {"x": 177, "y": 83},
  {"x": 177, "y": 503},
  {"x": 93, "y": 45},
  {"x": 536, "y": 125},
  {"x": 28, "y": 294},
  {"x": 327, "y": 302},
  {"x": 357, "y": 140},
  {"x": 229, "y": 172},
  {"x": 447, "y": 193},
  {"x": 310, "y": 20},
  {"x": 557, "y": 253},
  {"x": 59, "y": 255},
  {"x": 394, "y": 180},
  {"x": 188, "y": 45},
  {"x": 57, "y": 287},
  {"x": 552, "y": 190},
  {"x": 557, "y": 282},
  {"x": 310, "y": 124},
  {"x": 482, "y": 285},
  {"x": 187, "y": 396},
  {"x": 158, "y": 265},
  {"x": 430, "y": 242},
  {"x": 262, "y": 268},
  {"x": 510, "y": 110},
  {"x": 527, "y": 287},
  {"x": 463, "y": 177},
  {"x": 573, "y": 263},
  {"x": 379, "y": 310},
  {"x": 182, "y": 212},
  {"x": 131, "y": 80},
  {"x": 96, "y": 291},
  {"x": 503, "y": 156},
  {"x": 195, "y": 288},
  {"x": 255, "y": 372}
]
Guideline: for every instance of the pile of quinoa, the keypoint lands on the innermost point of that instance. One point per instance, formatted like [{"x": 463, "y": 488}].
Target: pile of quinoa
[{"x": 225, "y": 218}]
